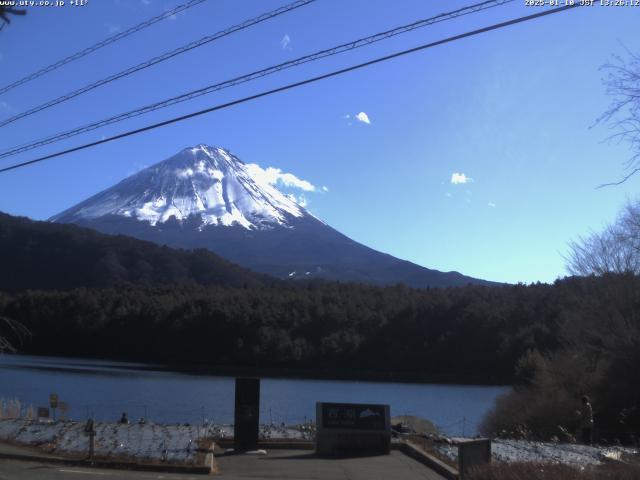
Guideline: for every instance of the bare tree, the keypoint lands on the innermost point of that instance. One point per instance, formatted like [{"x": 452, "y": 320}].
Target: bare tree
[
  {"x": 6, "y": 11},
  {"x": 623, "y": 115},
  {"x": 15, "y": 331},
  {"x": 614, "y": 250}
]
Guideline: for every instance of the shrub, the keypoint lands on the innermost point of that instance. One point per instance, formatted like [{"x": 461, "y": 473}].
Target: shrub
[{"x": 550, "y": 471}]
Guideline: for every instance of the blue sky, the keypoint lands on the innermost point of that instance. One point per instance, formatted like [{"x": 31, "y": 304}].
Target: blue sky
[{"x": 511, "y": 110}]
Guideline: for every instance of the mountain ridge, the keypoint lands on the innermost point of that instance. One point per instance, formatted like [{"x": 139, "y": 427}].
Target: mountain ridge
[{"x": 206, "y": 197}]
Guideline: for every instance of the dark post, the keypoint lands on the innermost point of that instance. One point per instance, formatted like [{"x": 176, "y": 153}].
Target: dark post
[
  {"x": 246, "y": 424},
  {"x": 89, "y": 429}
]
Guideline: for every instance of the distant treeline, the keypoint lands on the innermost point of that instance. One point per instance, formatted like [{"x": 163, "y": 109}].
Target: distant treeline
[{"x": 470, "y": 334}]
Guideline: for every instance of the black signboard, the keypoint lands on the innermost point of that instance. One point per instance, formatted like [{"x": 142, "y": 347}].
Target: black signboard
[
  {"x": 353, "y": 416},
  {"x": 247, "y": 413}
]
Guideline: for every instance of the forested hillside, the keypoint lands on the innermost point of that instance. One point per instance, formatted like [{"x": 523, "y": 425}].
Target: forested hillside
[
  {"x": 470, "y": 334},
  {"x": 43, "y": 255}
]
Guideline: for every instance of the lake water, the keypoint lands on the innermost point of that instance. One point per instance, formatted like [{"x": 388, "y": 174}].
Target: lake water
[{"x": 105, "y": 389}]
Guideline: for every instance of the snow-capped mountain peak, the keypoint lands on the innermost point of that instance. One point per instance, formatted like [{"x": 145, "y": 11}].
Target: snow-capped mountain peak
[
  {"x": 204, "y": 181},
  {"x": 232, "y": 208}
]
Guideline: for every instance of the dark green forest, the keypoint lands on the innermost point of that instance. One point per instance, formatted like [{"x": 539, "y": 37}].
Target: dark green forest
[
  {"x": 192, "y": 310},
  {"x": 473, "y": 334},
  {"x": 44, "y": 255}
]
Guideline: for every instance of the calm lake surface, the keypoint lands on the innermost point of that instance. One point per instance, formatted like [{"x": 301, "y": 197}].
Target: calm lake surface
[{"x": 105, "y": 389}]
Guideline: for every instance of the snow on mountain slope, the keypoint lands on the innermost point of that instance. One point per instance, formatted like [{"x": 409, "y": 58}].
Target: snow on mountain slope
[{"x": 204, "y": 181}]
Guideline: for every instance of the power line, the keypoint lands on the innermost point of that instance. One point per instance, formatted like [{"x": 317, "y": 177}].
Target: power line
[
  {"x": 161, "y": 58},
  {"x": 107, "y": 41},
  {"x": 256, "y": 75},
  {"x": 296, "y": 84}
]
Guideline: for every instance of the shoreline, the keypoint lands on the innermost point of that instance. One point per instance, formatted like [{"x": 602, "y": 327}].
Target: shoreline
[{"x": 286, "y": 373}]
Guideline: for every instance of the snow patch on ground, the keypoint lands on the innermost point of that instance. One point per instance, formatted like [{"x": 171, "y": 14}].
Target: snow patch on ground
[
  {"x": 147, "y": 442},
  {"x": 152, "y": 442},
  {"x": 542, "y": 452}
]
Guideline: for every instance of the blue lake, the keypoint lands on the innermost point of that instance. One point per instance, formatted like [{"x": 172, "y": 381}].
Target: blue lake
[{"x": 105, "y": 389}]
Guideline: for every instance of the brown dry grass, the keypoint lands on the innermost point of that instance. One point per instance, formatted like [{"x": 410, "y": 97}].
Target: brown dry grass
[{"x": 539, "y": 471}]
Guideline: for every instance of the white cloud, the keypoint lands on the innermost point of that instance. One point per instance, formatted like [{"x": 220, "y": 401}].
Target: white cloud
[
  {"x": 460, "y": 178},
  {"x": 285, "y": 43},
  {"x": 325, "y": 188},
  {"x": 299, "y": 199},
  {"x": 491, "y": 204},
  {"x": 5, "y": 107},
  {"x": 364, "y": 118},
  {"x": 175, "y": 16},
  {"x": 275, "y": 176},
  {"x": 111, "y": 28}
]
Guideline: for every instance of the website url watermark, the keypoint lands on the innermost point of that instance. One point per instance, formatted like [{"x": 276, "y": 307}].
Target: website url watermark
[{"x": 42, "y": 3}]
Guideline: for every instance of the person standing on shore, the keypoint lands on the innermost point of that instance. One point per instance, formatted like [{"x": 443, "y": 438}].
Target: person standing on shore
[{"x": 585, "y": 412}]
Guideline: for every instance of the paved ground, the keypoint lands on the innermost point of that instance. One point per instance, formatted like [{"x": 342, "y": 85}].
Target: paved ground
[
  {"x": 303, "y": 465},
  {"x": 277, "y": 464},
  {"x": 39, "y": 469},
  {"x": 21, "y": 470}
]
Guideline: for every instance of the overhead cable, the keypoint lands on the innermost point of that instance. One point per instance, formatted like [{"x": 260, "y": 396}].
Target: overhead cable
[
  {"x": 161, "y": 58},
  {"x": 103, "y": 43},
  {"x": 295, "y": 85},
  {"x": 345, "y": 47}
]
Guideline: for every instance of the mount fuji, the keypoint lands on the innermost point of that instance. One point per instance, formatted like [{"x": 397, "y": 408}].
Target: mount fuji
[{"x": 206, "y": 197}]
